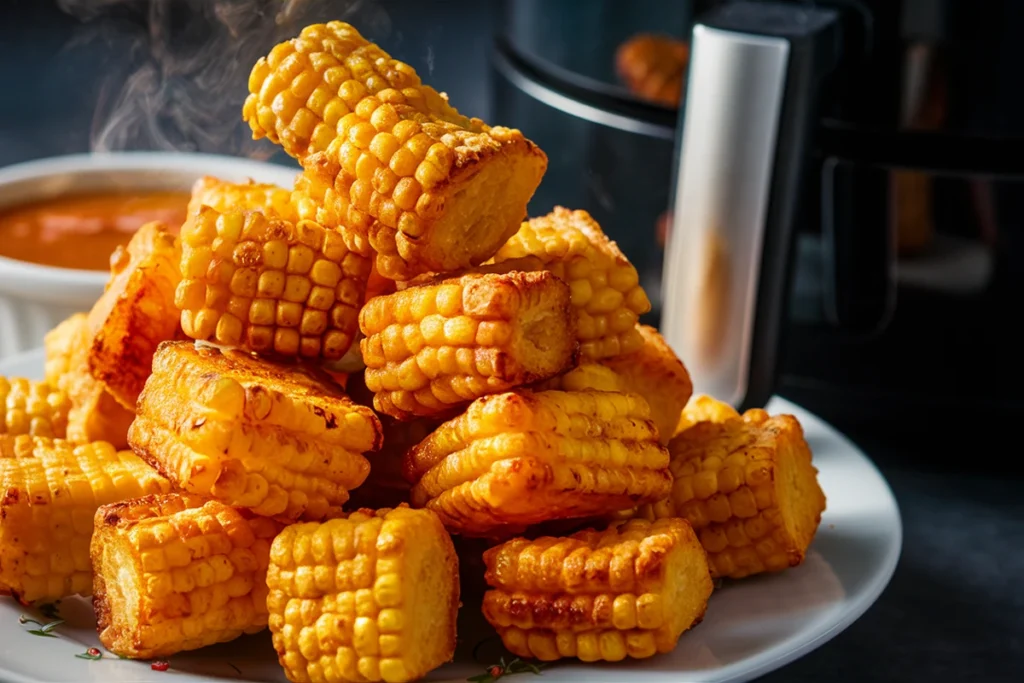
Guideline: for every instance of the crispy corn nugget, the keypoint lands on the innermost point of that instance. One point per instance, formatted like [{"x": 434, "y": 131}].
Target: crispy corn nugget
[
  {"x": 629, "y": 591},
  {"x": 390, "y": 162},
  {"x": 268, "y": 285},
  {"x": 94, "y": 415},
  {"x": 521, "y": 458},
  {"x": 226, "y": 197},
  {"x": 135, "y": 313},
  {"x": 279, "y": 440},
  {"x": 749, "y": 489},
  {"x": 373, "y": 597},
  {"x": 51, "y": 490},
  {"x": 606, "y": 291},
  {"x": 657, "y": 374},
  {"x": 35, "y": 408},
  {"x": 431, "y": 349},
  {"x": 178, "y": 572}
]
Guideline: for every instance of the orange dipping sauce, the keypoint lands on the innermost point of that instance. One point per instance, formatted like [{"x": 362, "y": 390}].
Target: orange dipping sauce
[{"x": 81, "y": 231}]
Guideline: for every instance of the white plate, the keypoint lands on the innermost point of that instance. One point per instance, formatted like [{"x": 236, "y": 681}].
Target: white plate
[{"x": 752, "y": 626}]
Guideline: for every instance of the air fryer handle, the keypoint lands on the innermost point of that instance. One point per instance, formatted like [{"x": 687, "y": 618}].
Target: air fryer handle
[{"x": 754, "y": 76}]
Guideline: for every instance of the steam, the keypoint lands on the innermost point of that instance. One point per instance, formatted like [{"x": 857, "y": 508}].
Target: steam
[{"x": 184, "y": 74}]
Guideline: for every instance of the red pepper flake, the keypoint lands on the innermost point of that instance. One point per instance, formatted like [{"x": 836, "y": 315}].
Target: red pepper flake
[
  {"x": 93, "y": 652},
  {"x": 160, "y": 666},
  {"x": 496, "y": 671}
]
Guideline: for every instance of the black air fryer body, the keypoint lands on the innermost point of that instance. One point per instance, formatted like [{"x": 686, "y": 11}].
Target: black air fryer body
[{"x": 858, "y": 165}]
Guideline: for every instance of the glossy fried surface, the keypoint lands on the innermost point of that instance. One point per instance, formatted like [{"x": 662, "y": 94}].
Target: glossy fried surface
[
  {"x": 371, "y": 597},
  {"x": 629, "y": 591},
  {"x": 282, "y": 440},
  {"x": 135, "y": 313},
  {"x": 521, "y": 458},
  {"x": 177, "y": 572},
  {"x": 432, "y": 348}
]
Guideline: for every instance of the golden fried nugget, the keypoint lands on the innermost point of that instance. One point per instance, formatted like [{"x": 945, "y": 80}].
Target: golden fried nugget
[
  {"x": 269, "y": 285},
  {"x": 135, "y": 313},
  {"x": 373, "y": 597},
  {"x": 389, "y": 162},
  {"x": 629, "y": 591},
  {"x": 433, "y": 348},
  {"x": 283, "y": 441},
  {"x": 521, "y": 458},
  {"x": 177, "y": 572},
  {"x": 748, "y": 487}
]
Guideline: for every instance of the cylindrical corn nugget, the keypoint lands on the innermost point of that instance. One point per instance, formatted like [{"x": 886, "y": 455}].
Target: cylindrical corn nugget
[
  {"x": 268, "y": 285},
  {"x": 749, "y": 489},
  {"x": 135, "y": 313},
  {"x": 432, "y": 348},
  {"x": 522, "y": 458},
  {"x": 629, "y": 591},
  {"x": 51, "y": 490},
  {"x": 279, "y": 440},
  {"x": 178, "y": 572},
  {"x": 35, "y": 408},
  {"x": 392, "y": 163},
  {"x": 373, "y": 597},
  {"x": 226, "y": 197},
  {"x": 606, "y": 289},
  {"x": 657, "y": 374}
]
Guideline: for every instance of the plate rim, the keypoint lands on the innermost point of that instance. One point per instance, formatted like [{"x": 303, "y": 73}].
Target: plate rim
[{"x": 772, "y": 658}]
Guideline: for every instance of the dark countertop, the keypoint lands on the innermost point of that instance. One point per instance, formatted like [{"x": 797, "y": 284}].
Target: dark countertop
[{"x": 955, "y": 608}]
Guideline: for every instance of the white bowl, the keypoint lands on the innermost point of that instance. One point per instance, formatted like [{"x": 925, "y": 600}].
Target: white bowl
[{"x": 33, "y": 297}]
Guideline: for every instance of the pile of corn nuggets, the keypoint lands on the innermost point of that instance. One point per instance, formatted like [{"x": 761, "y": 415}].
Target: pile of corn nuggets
[{"x": 276, "y": 415}]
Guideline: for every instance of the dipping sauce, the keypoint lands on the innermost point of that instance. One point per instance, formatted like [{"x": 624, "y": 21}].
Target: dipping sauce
[{"x": 81, "y": 231}]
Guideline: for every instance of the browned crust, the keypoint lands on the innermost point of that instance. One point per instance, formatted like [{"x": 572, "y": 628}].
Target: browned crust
[{"x": 125, "y": 335}]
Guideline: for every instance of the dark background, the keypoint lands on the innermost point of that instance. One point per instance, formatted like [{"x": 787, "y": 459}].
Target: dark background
[{"x": 955, "y": 608}]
